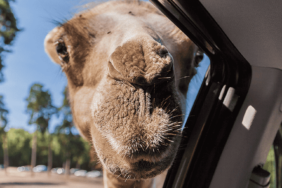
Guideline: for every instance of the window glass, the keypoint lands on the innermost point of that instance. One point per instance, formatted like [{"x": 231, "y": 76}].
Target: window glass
[
  {"x": 270, "y": 166},
  {"x": 195, "y": 84}
]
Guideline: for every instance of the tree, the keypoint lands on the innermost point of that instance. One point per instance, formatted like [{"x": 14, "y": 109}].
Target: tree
[
  {"x": 19, "y": 146},
  {"x": 3, "y": 124},
  {"x": 3, "y": 115},
  {"x": 75, "y": 149},
  {"x": 66, "y": 127},
  {"x": 40, "y": 109},
  {"x": 8, "y": 30},
  {"x": 67, "y": 123}
]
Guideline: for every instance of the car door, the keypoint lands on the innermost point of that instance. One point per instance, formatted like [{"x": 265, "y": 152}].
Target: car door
[{"x": 237, "y": 113}]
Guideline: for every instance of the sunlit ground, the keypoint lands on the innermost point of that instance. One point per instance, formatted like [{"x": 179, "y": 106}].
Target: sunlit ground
[{"x": 15, "y": 179}]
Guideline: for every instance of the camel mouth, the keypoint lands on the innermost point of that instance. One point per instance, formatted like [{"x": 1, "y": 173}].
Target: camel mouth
[
  {"x": 150, "y": 126},
  {"x": 142, "y": 169},
  {"x": 164, "y": 79},
  {"x": 142, "y": 126}
]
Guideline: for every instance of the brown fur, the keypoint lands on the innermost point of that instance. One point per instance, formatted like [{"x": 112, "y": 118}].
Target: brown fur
[{"x": 128, "y": 70}]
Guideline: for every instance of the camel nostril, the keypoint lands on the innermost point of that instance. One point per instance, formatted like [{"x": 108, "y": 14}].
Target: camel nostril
[
  {"x": 142, "y": 64},
  {"x": 140, "y": 80},
  {"x": 162, "y": 52},
  {"x": 113, "y": 72}
]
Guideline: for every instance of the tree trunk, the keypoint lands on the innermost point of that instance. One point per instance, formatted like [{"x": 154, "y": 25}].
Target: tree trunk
[
  {"x": 6, "y": 155},
  {"x": 67, "y": 166},
  {"x": 64, "y": 165},
  {"x": 77, "y": 164},
  {"x": 33, "y": 154},
  {"x": 50, "y": 157}
]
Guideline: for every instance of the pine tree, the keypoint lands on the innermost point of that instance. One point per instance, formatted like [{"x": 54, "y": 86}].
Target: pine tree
[
  {"x": 3, "y": 123},
  {"x": 8, "y": 30},
  {"x": 40, "y": 109},
  {"x": 66, "y": 127}
]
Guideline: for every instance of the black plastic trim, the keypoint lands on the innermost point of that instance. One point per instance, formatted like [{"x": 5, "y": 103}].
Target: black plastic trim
[
  {"x": 277, "y": 144},
  {"x": 228, "y": 67}
]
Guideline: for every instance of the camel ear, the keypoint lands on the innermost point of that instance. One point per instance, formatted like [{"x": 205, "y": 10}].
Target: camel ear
[{"x": 50, "y": 44}]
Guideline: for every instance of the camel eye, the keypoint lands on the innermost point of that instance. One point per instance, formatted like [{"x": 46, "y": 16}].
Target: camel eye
[
  {"x": 62, "y": 51},
  {"x": 199, "y": 57},
  {"x": 130, "y": 13}
]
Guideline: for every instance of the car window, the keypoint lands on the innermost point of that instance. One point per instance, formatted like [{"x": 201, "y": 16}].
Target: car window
[
  {"x": 270, "y": 166},
  {"x": 273, "y": 162},
  {"x": 196, "y": 83}
]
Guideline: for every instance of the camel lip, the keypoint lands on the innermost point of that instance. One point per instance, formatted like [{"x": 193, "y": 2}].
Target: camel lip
[
  {"x": 141, "y": 170},
  {"x": 144, "y": 166},
  {"x": 151, "y": 156},
  {"x": 144, "y": 157}
]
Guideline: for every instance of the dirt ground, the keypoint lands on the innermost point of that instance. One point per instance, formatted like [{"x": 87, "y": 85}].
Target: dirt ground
[{"x": 15, "y": 179}]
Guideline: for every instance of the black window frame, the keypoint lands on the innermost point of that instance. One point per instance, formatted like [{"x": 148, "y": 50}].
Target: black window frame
[
  {"x": 210, "y": 122},
  {"x": 277, "y": 144}
]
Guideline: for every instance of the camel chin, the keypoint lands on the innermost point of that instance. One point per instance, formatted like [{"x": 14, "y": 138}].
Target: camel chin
[{"x": 128, "y": 70}]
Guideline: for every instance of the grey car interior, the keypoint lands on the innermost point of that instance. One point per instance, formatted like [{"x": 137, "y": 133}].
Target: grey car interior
[{"x": 237, "y": 115}]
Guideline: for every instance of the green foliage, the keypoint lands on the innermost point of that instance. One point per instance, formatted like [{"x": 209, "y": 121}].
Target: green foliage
[
  {"x": 8, "y": 29},
  {"x": 8, "y": 22},
  {"x": 19, "y": 147},
  {"x": 72, "y": 146},
  {"x": 88, "y": 159},
  {"x": 65, "y": 111},
  {"x": 270, "y": 166},
  {"x": 40, "y": 107},
  {"x": 1, "y": 149},
  {"x": 3, "y": 124},
  {"x": 42, "y": 147},
  {"x": 20, "y": 144},
  {"x": 3, "y": 115}
]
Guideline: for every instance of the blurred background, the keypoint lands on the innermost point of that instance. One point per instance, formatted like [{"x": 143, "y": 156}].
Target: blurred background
[{"x": 36, "y": 128}]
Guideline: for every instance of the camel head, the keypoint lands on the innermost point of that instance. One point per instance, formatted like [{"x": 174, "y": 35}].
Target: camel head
[{"x": 128, "y": 69}]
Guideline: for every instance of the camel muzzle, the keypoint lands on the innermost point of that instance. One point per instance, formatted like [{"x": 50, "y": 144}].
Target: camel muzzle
[{"x": 142, "y": 61}]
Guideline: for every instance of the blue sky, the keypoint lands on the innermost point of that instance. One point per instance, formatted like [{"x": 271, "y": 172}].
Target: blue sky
[{"x": 29, "y": 64}]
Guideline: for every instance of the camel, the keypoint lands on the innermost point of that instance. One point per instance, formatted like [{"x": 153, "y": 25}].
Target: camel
[{"x": 128, "y": 69}]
